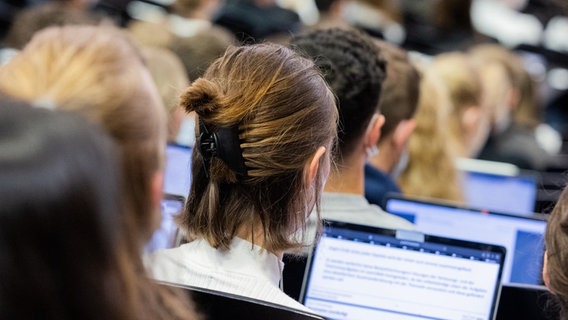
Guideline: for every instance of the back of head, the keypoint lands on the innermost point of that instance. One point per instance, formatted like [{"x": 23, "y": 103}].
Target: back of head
[
  {"x": 353, "y": 68},
  {"x": 170, "y": 78},
  {"x": 431, "y": 170},
  {"x": 35, "y": 18},
  {"x": 199, "y": 51},
  {"x": 460, "y": 77},
  {"x": 469, "y": 119},
  {"x": 59, "y": 187},
  {"x": 98, "y": 73},
  {"x": 399, "y": 97},
  {"x": 279, "y": 111},
  {"x": 501, "y": 72}
]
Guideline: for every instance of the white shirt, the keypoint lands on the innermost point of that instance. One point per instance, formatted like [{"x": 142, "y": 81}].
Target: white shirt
[{"x": 245, "y": 269}]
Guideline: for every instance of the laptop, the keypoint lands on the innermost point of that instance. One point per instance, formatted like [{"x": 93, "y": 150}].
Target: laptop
[
  {"x": 168, "y": 234},
  {"x": 522, "y": 301},
  {"x": 177, "y": 175},
  {"x": 363, "y": 272},
  {"x": 217, "y": 305},
  {"x": 522, "y": 236},
  {"x": 500, "y": 187}
]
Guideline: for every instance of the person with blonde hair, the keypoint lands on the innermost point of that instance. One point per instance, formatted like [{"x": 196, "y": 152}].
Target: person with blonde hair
[
  {"x": 170, "y": 78},
  {"x": 267, "y": 123},
  {"x": 98, "y": 73},
  {"x": 468, "y": 121},
  {"x": 516, "y": 114},
  {"x": 431, "y": 170}
]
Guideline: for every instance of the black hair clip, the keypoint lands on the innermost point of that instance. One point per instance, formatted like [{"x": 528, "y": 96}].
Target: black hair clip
[{"x": 223, "y": 144}]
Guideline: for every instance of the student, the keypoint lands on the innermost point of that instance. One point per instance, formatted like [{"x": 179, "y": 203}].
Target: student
[
  {"x": 266, "y": 123},
  {"x": 59, "y": 192},
  {"x": 555, "y": 271},
  {"x": 510, "y": 92},
  {"x": 96, "y": 72},
  {"x": 431, "y": 170},
  {"x": 352, "y": 66},
  {"x": 398, "y": 103},
  {"x": 469, "y": 121},
  {"x": 170, "y": 78}
]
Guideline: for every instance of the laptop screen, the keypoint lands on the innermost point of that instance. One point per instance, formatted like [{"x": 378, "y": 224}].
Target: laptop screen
[
  {"x": 166, "y": 235},
  {"x": 521, "y": 235},
  {"x": 501, "y": 193},
  {"x": 177, "y": 175},
  {"x": 362, "y": 272}
]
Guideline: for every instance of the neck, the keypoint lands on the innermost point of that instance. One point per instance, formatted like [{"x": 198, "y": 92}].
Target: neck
[
  {"x": 257, "y": 237},
  {"x": 385, "y": 160},
  {"x": 349, "y": 177}
]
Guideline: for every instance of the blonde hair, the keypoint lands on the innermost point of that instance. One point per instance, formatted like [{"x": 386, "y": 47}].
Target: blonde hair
[
  {"x": 283, "y": 111},
  {"x": 458, "y": 74},
  {"x": 96, "y": 72},
  {"x": 431, "y": 171},
  {"x": 170, "y": 78}
]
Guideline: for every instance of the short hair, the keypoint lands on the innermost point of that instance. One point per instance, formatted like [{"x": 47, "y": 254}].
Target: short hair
[
  {"x": 283, "y": 111},
  {"x": 401, "y": 89},
  {"x": 353, "y": 68},
  {"x": 59, "y": 189}
]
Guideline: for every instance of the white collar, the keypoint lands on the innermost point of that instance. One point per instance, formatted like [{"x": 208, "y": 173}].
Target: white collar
[{"x": 243, "y": 257}]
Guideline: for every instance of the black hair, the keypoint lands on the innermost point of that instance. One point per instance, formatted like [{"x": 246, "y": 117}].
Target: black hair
[
  {"x": 59, "y": 189},
  {"x": 354, "y": 69}
]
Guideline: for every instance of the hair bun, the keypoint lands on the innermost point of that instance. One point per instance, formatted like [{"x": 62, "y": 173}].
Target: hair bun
[{"x": 203, "y": 97}]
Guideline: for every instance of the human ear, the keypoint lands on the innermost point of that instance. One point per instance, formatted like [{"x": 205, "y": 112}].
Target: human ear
[
  {"x": 403, "y": 131},
  {"x": 471, "y": 117},
  {"x": 373, "y": 133},
  {"x": 545, "y": 277},
  {"x": 313, "y": 165}
]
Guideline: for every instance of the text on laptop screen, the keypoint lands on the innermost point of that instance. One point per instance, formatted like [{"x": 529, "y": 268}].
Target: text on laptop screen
[
  {"x": 521, "y": 236},
  {"x": 375, "y": 275},
  {"x": 177, "y": 175},
  {"x": 501, "y": 193}
]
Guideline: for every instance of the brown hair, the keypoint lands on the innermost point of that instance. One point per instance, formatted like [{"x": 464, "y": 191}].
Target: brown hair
[
  {"x": 556, "y": 240},
  {"x": 98, "y": 73},
  {"x": 431, "y": 170},
  {"x": 284, "y": 111},
  {"x": 401, "y": 89}
]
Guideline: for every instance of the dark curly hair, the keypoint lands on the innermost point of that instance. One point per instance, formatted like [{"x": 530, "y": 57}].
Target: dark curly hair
[{"x": 353, "y": 68}]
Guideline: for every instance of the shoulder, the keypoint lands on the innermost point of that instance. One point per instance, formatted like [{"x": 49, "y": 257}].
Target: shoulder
[
  {"x": 161, "y": 264},
  {"x": 389, "y": 220}
]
